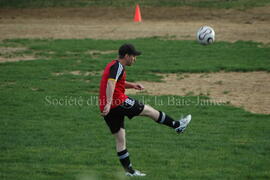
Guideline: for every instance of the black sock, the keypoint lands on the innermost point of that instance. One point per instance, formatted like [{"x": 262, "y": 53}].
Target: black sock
[
  {"x": 167, "y": 120},
  {"x": 124, "y": 159}
]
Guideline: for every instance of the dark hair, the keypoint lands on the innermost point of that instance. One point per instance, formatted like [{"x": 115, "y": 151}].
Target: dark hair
[{"x": 128, "y": 49}]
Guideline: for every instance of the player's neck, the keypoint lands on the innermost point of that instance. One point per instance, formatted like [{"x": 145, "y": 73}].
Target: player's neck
[{"x": 122, "y": 61}]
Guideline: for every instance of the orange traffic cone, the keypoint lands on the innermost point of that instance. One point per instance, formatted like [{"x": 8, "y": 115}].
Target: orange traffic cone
[{"x": 137, "y": 16}]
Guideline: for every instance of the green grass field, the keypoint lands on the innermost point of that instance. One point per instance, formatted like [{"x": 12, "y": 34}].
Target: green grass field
[
  {"x": 51, "y": 127},
  {"x": 242, "y": 4}
]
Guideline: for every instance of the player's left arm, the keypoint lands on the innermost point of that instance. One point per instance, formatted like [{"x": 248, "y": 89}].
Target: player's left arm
[{"x": 137, "y": 86}]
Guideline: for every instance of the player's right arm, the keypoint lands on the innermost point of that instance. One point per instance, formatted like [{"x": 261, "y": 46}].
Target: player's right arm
[{"x": 109, "y": 96}]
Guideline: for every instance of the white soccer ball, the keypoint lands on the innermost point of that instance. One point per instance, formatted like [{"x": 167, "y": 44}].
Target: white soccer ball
[{"x": 206, "y": 35}]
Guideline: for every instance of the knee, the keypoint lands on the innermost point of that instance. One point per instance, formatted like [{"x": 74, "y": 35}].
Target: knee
[
  {"x": 147, "y": 111},
  {"x": 150, "y": 112}
]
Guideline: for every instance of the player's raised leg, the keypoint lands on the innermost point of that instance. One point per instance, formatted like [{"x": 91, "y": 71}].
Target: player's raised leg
[{"x": 162, "y": 118}]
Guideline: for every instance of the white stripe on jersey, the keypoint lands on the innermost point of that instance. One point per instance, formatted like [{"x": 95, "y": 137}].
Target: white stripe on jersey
[{"x": 119, "y": 71}]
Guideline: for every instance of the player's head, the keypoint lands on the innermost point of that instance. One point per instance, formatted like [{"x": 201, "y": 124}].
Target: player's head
[{"x": 129, "y": 53}]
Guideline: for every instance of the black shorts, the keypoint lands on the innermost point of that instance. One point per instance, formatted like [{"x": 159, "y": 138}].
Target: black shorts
[{"x": 116, "y": 116}]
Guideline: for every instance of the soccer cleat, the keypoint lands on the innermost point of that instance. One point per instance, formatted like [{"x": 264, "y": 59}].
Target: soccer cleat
[
  {"x": 136, "y": 173},
  {"x": 183, "y": 124}
]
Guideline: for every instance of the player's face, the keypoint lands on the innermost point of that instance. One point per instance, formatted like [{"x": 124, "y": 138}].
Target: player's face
[{"x": 130, "y": 59}]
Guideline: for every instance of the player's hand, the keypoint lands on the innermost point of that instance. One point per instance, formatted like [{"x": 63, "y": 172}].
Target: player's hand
[
  {"x": 106, "y": 110},
  {"x": 138, "y": 87}
]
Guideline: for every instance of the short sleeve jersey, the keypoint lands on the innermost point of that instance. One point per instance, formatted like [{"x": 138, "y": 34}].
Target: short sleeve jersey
[{"x": 113, "y": 71}]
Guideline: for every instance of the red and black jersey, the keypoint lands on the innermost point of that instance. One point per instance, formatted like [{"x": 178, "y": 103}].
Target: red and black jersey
[{"x": 115, "y": 71}]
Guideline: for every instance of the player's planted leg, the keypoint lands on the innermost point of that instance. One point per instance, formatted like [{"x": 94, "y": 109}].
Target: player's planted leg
[
  {"x": 125, "y": 161},
  {"x": 123, "y": 154},
  {"x": 121, "y": 149}
]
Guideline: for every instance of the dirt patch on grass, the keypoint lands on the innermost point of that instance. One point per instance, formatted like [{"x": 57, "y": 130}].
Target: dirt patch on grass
[
  {"x": 249, "y": 90},
  {"x": 13, "y": 54},
  {"x": 8, "y": 50},
  {"x": 95, "y": 53},
  {"x": 18, "y": 58},
  {"x": 78, "y": 73}
]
